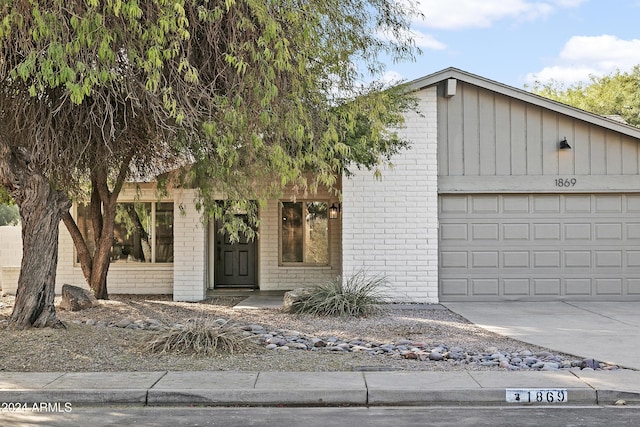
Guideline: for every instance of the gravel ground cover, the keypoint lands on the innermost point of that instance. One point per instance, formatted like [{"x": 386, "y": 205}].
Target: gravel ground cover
[{"x": 110, "y": 337}]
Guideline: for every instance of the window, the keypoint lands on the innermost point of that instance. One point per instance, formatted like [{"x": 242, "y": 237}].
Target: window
[
  {"x": 304, "y": 233},
  {"x": 143, "y": 232}
]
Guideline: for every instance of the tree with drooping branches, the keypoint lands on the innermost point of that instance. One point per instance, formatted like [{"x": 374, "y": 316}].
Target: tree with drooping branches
[{"x": 242, "y": 96}]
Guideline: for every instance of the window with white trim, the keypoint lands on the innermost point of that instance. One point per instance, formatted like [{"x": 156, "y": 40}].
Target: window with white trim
[
  {"x": 143, "y": 232},
  {"x": 304, "y": 233}
]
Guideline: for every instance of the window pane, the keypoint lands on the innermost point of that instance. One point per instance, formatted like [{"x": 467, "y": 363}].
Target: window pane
[
  {"x": 292, "y": 232},
  {"x": 317, "y": 234},
  {"x": 85, "y": 226},
  {"x": 164, "y": 232},
  {"x": 132, "y": 233}
]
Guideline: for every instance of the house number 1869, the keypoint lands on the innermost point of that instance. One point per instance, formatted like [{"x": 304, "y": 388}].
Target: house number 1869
[{"x": 566, "y": 182}]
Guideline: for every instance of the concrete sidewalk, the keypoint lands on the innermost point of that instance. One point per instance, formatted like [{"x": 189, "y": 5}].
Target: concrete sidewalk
[
  {"x": 231, "y": 388},
  {"x": 606, "y": 331}
]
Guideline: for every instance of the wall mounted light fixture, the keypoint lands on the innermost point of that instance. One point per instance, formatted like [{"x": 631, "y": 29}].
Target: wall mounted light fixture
[
  {"x": 334, "y": 211},
  {"x": 564, "y": 145}
]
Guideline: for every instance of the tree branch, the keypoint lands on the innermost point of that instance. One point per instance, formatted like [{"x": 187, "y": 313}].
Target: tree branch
[{"x": 81, "y": 246}]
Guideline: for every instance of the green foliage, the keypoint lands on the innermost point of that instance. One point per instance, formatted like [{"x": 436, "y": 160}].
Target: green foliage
[
  {"x": 5, "y": 198},
  {"x": 252, "y": 95},
  {"x": 9, "y": 215},
  {"x": 360, "y": 295},
  {"x": 202, "y": 337},
  {"x": 617, "y": 94}
]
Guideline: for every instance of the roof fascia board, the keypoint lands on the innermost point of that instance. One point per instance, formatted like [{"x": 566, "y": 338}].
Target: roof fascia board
[{"x": 522, "y": 95}]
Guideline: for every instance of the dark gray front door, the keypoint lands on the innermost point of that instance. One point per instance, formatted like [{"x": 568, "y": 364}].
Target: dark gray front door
[{"x": 235, "y": 262}]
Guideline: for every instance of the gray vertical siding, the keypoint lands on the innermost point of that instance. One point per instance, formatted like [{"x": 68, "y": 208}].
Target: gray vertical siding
[{"x": 482, "y": 133}]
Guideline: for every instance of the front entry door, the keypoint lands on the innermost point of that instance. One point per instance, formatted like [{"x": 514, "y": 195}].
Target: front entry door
[{"x": 234, "y": 262}]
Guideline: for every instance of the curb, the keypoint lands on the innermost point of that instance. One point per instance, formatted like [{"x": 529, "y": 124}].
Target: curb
[
  {"x": 312, "y": 389},
  {"x": 301, "y": 398}
]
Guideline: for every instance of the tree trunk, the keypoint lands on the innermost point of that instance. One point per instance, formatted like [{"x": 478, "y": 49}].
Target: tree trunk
[
  {"x": 95, "y": 267},
  {"x": 41, "y": 208},
  {"x": 102, "y": 255}
]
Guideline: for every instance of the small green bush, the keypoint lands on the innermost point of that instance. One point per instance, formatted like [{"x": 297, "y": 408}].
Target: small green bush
[
  {"x": 202, "y": 337},
  {"x": 360, "y": 295}
]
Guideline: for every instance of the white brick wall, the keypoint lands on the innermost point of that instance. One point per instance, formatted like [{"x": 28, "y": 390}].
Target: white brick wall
[
  {"x": 10, "y": 248},
  {"x": 189, "y": 253},
  {"x": 390, "y": 227}
]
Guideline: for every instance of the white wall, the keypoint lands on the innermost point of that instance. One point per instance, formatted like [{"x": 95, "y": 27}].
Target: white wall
[
  {"x": 390, "y": 227},
  {"x": 189, "y": 253},
  {"x": 10, "y": 255}
]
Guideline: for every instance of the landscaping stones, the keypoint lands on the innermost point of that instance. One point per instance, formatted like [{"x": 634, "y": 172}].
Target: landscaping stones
[{"x": 286, "y": 340}]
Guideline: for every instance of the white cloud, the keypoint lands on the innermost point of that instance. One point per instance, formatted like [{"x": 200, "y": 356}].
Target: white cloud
[
  {"x": 463, "y": 14},
  {"x": 583, "y": 56},
  {"x": 427, "y": 41},
  {"x": 391, "y": 78}
]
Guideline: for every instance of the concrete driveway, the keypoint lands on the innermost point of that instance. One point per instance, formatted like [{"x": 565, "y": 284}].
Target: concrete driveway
[{"x": 605, "y": 331}]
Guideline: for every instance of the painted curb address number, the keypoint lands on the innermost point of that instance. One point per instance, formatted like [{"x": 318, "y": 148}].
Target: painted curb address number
[{"x": 536, "y": 395}]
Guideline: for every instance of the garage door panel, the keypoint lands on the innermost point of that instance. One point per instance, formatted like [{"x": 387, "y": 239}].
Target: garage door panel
[
  {"x": 540, "y": 246},
  {"x": 546, "y": 259},
  {"x": 608, "y": 259},
  {"x": 633, "y": 259},
  {"x": 577, "y": 259},
  {"x": 453, "y": 232},
  {"x": 608, "y": 204},
  {"x": 485, "y": 231},
  {"x": 454, "y": 204},
  {"x": 515, "y": 259},
  {"x": 577, "y": 231},
  {"x": 516, "y": 287},
  {"x": 608, "y": 231},
  {"x": 546, "y": 204},
  {"x": 484, "y": 287},
  {"x": 633, "y": 286},
  {"x": 453, "y": 260},
  {"x": 546, "y": 287},
  {"x": 633, "y": 231},
  {"x": 516, "y": 231},
  {"x": 546, "y": 231},
  {"x": 577, "y": 204},
  {"x": 454, "y": 287},
  {"x": 633, "y": 203},
  {"x": 480, "y": 259},
  {"x": 578, "y": 287},
  {"x": 485, "y": 205},
  {"x": 515, "y": 204},
  {"x": 608, "y": 286}
]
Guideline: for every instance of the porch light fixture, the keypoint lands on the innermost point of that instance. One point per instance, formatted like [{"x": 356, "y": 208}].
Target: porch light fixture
[
  {"x": 334, "y": 211},
  {"x": 564, "y": 145}
]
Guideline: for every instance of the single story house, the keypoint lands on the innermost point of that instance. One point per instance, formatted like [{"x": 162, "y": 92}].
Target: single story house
[{"x": 503, "y": 195}]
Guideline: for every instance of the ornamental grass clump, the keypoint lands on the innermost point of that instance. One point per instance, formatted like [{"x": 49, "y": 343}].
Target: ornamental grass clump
[
  {"x": 201, "y": 337},
  {"x": 359, "y": 295}
]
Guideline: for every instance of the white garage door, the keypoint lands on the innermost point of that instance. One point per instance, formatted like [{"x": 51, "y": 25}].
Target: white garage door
[{"x": 539, "y": 247}]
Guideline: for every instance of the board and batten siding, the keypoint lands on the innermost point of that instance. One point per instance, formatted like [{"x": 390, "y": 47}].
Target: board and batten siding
[{"x": 491, "y": 142}]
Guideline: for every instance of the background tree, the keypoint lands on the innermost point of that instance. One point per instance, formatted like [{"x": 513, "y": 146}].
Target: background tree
[
  {"x": 617, "y": 94},
  {"x": 9, "y": 214},
  {"x": 239, "y": 92}
]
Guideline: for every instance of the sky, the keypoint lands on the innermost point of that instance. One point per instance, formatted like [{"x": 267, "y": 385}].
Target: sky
[{"x": 519, "y": 42}]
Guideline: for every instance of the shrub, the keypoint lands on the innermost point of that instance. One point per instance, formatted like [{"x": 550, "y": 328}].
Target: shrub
[
  {"x": 360, "y": 295},
  {"x": 201, "y": 337}
]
